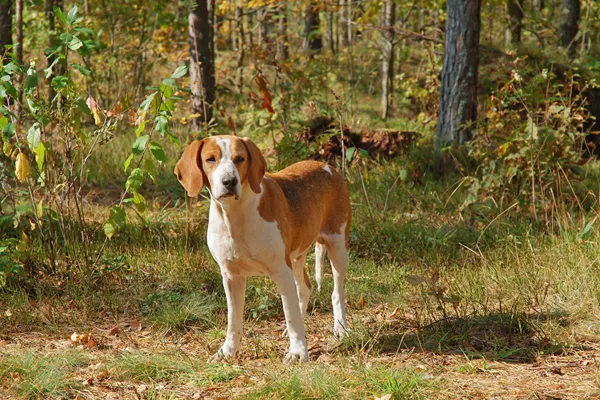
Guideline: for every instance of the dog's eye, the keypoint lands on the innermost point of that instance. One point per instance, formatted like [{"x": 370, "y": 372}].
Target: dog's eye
[
  {"x": 239, "y": 160},
  {"x": 211, "y": 160}
]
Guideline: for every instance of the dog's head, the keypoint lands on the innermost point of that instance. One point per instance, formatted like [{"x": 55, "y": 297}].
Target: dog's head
[{"x": 225, "y": 164}]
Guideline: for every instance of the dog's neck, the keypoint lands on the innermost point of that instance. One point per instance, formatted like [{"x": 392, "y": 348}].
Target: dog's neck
[{"x": 233, "y": 213}]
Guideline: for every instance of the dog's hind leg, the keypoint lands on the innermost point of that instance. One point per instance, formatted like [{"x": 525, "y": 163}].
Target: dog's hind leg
[
  {"x": 303, "y": 286},
  {"x": 338, "y": 255},
  {"x": 319, "y": 261}
]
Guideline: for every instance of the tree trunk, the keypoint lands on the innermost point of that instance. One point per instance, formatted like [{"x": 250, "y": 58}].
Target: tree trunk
[
  {"x": 330, "y": 34},
  {"x": 312, "y": 33},
  {"x": 349, "y": 16},
  {"x": 249, "y": 30},
  {"x": 569, "y": 19},
  {"x": 282, "y": 39},
  {"x": 342, "y": 21},
  {"x": 387, "y": 72},
  {"x": 202, "y": 73},
  {"x": 19, "y": 53},
  {"x": 5, "y": 28},
  {"x": 239, "y": 24},
  {"x": 458, "y": 91},
  {"x": 265, "y": 25},
  {"x": 514, "y": 9}
]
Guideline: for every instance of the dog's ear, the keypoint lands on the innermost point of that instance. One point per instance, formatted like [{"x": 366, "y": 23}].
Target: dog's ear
[
  {"x": 189, "y": 169},
  {"x": 257, "y": 166}
]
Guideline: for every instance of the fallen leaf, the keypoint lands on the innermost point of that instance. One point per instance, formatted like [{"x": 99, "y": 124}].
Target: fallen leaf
[
  {"x": 395, "y": 312},
  {"x": 384, "y": 397},
  {"x": 91, "y": 342},
  {"x": 8, "y": 313},
  {"x": 136, "y": 325},
  {"x": 114, "y": 331},
  {"x": 88, "y": 381}
]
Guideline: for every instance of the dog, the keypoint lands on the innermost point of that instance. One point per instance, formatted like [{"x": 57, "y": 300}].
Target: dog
[{"x": 264, "y": 224}]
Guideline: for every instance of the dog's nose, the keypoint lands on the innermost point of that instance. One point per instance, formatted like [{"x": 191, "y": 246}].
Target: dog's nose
[{"x": 230, "y": 183}]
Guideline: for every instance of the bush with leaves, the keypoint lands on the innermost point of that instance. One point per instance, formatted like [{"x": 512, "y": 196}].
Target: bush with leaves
[
  {"x": 533, "y": 165},
  {"x": 43, "y": 197}
]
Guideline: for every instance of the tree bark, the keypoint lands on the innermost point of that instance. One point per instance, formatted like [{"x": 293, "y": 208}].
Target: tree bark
[
  {"x": 5, "y": 28},
  {"x": 458, "y": 91},
  {"x": 282, "y": 39},
  {"x": 569, "y": 20},
  {"x": 265, "y": 25},
  {"x": 202, "y": 73},
  {"x": 345, "y": 22},
  {"x": 387, "y": 71},
  {"x": 312, "y": 32},
  {"x": 19, "y": 53},
  {"x": 249, "y": 30},
  {"x": 330, "y": 34},
  {"x": 239, "y": 25},
  {"x": 514, "y": 9}
]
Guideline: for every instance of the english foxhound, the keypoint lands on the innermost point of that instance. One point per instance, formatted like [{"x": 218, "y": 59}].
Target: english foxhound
[{"x": 264, "y": 224}]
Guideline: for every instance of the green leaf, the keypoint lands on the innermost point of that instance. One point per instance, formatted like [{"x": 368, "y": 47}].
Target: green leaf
[
  {"x": 139, "y": 145},
  {"x": 33, "y": 135},
  {"x": 60, "y": 82},
  {"x": 403, "y": 175},
  {"x": 118, "y": 216},
  {"x": 109, "y": 229},
  {"x": 127, "y": 163},
  {"x": 40, "y": 155},
  {"x": 149, "y": 168},
  {"x": 180, "y": 72},
  {"x": 31, "y": 80},
  {"x": 135, "y": 180},
  {"x": 140, "y": 128},
  {"x": 139, "y": 201},
  {"x": 162, "y": 124},
  {"x": 9, "y": 130},
  {"x": 350, "y": 153},
  {"x": 61, "y": 16},
  {"x": 82, "y": 69},
  {"x": 75, "y": 43},
  {"x": 147, "y": 102},
  {"x": 72, "y": 15},
  {"x": 157, "y": 151},
  {"x": 83, "y": 107}
]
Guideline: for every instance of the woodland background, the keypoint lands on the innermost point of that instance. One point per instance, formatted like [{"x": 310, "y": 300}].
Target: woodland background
[{"x": 466, "y": 131}]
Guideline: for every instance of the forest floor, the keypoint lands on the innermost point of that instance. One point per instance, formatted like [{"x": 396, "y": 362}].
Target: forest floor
[{"x": 442, "y": 305}]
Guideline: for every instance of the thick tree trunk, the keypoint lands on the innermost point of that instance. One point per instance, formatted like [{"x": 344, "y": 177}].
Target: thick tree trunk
[
  {"x": 312, "y": 33},
  {"x": 569, "y": 20},
  {"x": 5, "y": 27},
  {"x": 514, "y": 8},
  {"x": 282, "y": 37},
  {"x": 202, "y": 73},
  {"x": 387, "y": 71},
  {"x": 458, "y": 91}
]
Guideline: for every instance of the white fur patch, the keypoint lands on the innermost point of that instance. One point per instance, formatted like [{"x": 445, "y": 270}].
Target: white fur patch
[
  {"x": 226, "y": 169},
  {"x": 328, "y": 169}
]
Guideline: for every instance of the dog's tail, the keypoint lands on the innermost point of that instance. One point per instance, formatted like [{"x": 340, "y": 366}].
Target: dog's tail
[{"x": 319, "y": 260}]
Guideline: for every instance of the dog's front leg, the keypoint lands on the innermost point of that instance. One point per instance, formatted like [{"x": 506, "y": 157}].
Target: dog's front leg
[
  {"x": 293, "y": 316},
  {"x": 235, "y": 291}
]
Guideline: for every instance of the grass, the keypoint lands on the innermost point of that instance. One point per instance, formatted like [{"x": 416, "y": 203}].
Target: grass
[{"x": 436, "y": 295}]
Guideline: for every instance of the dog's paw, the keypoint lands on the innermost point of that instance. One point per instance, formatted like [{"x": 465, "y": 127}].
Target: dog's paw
[
  {"x": 221, "y": 355},
  {"x": 340, "y": 331},
  {"x": 296, "y": 356}
]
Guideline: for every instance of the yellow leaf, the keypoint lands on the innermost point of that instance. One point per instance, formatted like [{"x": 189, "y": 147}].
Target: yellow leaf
[
  {"x": 22, "y": 167},
  {"x": 93, "y": 106}
]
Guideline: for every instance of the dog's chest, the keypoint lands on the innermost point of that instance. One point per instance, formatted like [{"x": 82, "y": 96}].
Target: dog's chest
[{"x": 245, "y": 244}]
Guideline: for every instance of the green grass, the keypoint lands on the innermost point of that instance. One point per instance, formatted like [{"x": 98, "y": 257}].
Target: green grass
[{"x": 33, "y": 374}]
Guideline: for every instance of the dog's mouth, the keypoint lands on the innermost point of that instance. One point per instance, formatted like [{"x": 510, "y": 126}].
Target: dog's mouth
[{"x": 229, "y": 195}]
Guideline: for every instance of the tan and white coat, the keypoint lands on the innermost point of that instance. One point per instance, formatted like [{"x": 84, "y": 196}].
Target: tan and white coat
[{"x": 264, "y": 224}]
